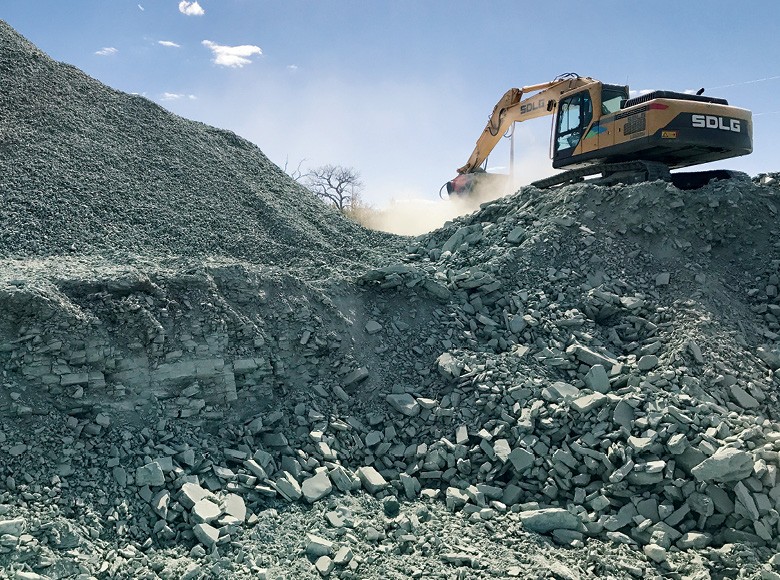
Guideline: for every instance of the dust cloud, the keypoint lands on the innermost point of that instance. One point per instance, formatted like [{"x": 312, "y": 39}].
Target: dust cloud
[{"x": 415, "y": 216}]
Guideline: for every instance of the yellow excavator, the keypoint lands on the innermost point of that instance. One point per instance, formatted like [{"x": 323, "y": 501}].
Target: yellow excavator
[{"x": 598, "y": 129}]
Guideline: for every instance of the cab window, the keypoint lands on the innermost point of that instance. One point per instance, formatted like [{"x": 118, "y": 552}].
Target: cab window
[
  {"x": 612, "y": 96},
  {"x": 574, "y": 115}
]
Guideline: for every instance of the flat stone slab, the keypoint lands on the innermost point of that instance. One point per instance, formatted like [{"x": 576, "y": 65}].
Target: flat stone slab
[
  {"x": 149, "y": 474},
  {"x": 234, "y": 505},
  {"x": 597, "y": 379},
  {"x": 206, "y": 534},
  {"x": 15, "y": 527},
  {"x": 587, "y": 403},
  {"x": 317, "y": 487},
  {"x": 405, "y": 404},
  {"x": 521, "y": 459},
  {"x": 371, "y": 479},
  {"x": 546, "y": 520},
  {"x": 192, "y": 493},
  {"x": 726, "y": 464},
  {"x": 205, "y": 511}
]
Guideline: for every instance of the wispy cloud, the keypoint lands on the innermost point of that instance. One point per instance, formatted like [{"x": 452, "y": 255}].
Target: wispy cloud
[
  {"x": 639, "y": 93},
  {"x": 176, "y": 97},
  {"x": 141, "y": 8},
  {"x": 191, "y": 8},
  {"x": 292, "y": 67},
  {"x": 232, "y": 56},
  {"x": 107, "y": 51},
  {"x": 168, "y": 43}
]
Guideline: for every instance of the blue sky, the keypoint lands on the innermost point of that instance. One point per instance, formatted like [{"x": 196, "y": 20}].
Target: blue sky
[{"x": 400, "y": 90}]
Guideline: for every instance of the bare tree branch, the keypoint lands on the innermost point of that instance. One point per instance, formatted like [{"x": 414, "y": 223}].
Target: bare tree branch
[{"x": 297, "y": 174}]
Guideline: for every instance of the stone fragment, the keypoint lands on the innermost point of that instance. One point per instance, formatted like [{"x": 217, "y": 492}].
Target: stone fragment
[
  {"x": 745, "y": 499},
  {"x": 191, "y": 493},
  {"x": 343, "y": 556},
  {"x": 677, "y": 443},
  {"x": 501, "y": 450},
  {"x": 448, "y": 366},
  {"x": 371, "y": 479},
  {"x": 726, "y": 464},
  {"x": 356, "y": 376},
  {"x": 455, "y": 498},
  {"x": 597, "y": 379},
  {"x": 655, "y": 552},
  {"x": 647, "y": 362},
  {"x": 15, "y": 527},
  {"x": 120, "y": 475},
  {"x": 287, "y": 485},
  {"x": 256, "y": 469},
  {"x": 591, "y": 357},
  {"x": 516, "y": 235},
  {"x": 404, "y": 403},
  {"x": 324, "y": 565},
  {"x": 234, "y": 505},
  {"x": 205, "y": 511},
  {"x": 206, "y": 534},
  {"x": 160, "y": 503},
  {"x": 521, "y": 459},
  {"x": 543, "y": 521},
  {"x": 560, "y": 391},
  {"x": 695, "y": 540},
  {"x": 372, "y": 327},
  {"x": 587, "y": 403},
  {"x": 317, "y": 487},
  {"x": 317, "y": 546},
  {"x": 150, "y": 474},
  {"x": 770, "y": 355},
  {"x": 695, "y": 350},
  {"x": 742, "y": 398},
  {"x": 411, "y": 485}
]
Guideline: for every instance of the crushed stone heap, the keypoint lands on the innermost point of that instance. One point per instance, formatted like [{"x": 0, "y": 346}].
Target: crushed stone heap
[
  {"x": 89, "y": 170},
  {"x": 571, "y": 383}
]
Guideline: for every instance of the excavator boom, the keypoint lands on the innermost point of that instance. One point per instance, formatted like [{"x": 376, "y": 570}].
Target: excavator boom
[{"x": 512, "y": 108}]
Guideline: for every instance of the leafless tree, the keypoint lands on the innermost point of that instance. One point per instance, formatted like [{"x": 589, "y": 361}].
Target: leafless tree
[
  {"x": 297, "y": 174},
  {"x": 336, "y": 184}
]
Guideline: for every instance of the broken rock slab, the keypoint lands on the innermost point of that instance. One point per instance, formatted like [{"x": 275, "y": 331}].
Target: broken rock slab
[
  {"x": 544, "y": 521},
  {"x": 404, "y": 403},
  {"x": 726, "y": 464},
  {"x": 371, "y": 479},
  {"x": 150, "y": 474},
  {"x": 317, "y": 487}
]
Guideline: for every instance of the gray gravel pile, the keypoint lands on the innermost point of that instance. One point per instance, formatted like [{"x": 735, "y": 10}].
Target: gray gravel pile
[
  {"x": 571, "y": 383},
  {"x": 86, "y": 169}
]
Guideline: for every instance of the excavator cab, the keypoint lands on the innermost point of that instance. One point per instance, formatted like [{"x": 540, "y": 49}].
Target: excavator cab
[{"x": 575, "y": 118}]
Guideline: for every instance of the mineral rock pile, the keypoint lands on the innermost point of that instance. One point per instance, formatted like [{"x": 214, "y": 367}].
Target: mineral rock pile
[{"x": 208, "y": 374}]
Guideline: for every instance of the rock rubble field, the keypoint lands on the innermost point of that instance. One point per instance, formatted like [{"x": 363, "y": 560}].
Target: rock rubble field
[{"x": 206, "y": 373}]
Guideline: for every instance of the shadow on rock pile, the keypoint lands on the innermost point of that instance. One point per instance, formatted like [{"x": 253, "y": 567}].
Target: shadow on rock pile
[{"x": 572, "y": 383}]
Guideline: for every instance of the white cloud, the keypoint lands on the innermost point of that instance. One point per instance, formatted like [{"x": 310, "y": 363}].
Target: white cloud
[
  {"x": 176, "y": 96},
  {"x": 191, "y": 8},
  {"x": 232, "y": 56},
  {"x": 292, "y": 67},
  {"x": 639, "y": 93},
  {"x": 168, "y": 43},
  {"x": 107, "y": 51}
]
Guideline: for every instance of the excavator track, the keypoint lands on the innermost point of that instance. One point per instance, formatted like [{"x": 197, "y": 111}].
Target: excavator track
[
  {"x": 611, "y": 174},
  {"x": 637, "y": 172}
]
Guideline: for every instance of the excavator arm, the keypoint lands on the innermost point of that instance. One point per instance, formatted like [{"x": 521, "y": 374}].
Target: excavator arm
[{"x": 514, "y": 108}]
